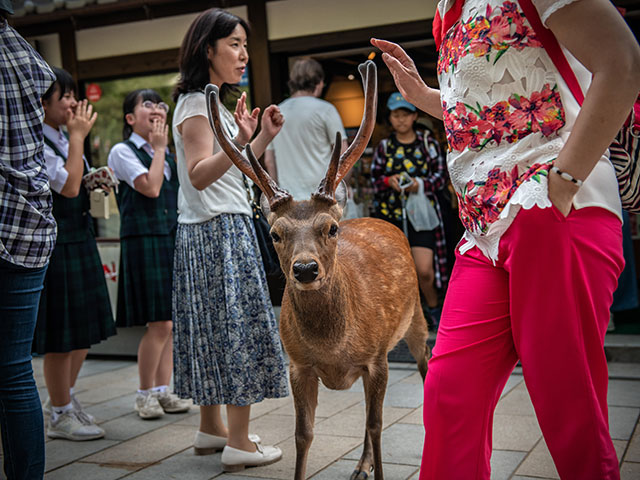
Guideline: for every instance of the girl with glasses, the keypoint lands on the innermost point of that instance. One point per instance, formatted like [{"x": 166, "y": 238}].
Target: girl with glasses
[{"x": 147, "y": 199}]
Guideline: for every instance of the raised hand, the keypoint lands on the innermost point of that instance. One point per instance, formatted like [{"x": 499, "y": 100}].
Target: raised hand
[
  {"x": 81, "y": 120},
  {"x": 247, "y": 122},
  {"x": 403, "y": 69},
  {"x": 272, "y": 120},
  {"x": 159, "y": 136}
]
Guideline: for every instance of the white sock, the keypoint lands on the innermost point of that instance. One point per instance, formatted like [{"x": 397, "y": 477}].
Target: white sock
[
  {"x": 144, "y": 392},
  {"x": 160, "y": 389},
  {"x": 71, "y": 391},
  {"x": 57, "y": 411}
]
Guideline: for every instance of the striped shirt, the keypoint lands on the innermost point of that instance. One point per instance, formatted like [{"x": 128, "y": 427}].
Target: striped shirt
[{"x": 27, "y": 226}]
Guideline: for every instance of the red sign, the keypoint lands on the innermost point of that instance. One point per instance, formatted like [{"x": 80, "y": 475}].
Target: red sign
[{"x": 94, "y": 92}]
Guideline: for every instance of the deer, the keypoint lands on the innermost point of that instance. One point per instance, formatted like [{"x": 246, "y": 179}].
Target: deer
[{"x": 351, "y": 288}]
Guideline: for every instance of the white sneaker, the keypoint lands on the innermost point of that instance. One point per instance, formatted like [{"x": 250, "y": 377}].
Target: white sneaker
[
  {"x": 207, "y": 444},
  {"x": 70, "y": 427},
  {"x": 234, "y": 460},
  {"x": 83, "y": 416},
  {"x": 171, "y": 403},
  {"x": 148, "y": 406}
]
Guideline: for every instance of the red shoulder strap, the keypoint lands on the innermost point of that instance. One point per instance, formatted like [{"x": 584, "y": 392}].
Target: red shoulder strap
[{"x": 551, "y": 45}]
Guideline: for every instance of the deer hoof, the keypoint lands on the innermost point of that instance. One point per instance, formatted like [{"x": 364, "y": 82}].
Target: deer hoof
[{"x": 359, "y": 475}]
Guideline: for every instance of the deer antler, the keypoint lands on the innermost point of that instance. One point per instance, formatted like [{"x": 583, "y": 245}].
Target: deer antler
[
  {"x": 251, "y": 167},
  {"x": 340, "y": 165}
]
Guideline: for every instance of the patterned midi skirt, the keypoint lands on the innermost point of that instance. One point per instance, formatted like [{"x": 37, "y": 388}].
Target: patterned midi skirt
[
  {"x": 145, "y": 279},
  {"x": 75, "y": 310},
  {"x": 227, "y": 346}
]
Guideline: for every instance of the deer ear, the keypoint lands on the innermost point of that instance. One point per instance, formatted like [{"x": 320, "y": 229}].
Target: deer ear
[
  {"x": 341, "y": 194},
  {"x": 264, "y": 206}
]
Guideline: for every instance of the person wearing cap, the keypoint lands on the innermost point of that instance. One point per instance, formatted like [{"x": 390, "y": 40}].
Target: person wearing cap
[
  {"x": 27, "y": 239},
  {"x": 409, "y": 163},
  {"x": 299, "y": 156}
]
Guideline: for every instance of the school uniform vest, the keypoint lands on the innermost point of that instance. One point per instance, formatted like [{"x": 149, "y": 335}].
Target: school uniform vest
[
  {"x": 71, "y": 214},
  {"x": 141, "y": 215}
]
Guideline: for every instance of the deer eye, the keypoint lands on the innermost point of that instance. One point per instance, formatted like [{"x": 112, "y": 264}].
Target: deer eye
[
  {"x": 275, "y": 237},
  {"x": 333, "y": 231}
]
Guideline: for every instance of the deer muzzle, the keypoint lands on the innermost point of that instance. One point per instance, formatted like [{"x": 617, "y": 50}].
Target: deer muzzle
[{"x": 305, "y": 272}]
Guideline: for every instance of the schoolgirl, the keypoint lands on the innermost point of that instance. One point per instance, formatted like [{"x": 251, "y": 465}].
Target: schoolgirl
[
  {"x": 74, "y": 311},
  {"x": 147, "y": 201}
]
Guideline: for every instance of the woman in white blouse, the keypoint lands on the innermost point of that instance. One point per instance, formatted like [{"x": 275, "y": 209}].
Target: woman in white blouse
[{"x": 227, "y": 346}]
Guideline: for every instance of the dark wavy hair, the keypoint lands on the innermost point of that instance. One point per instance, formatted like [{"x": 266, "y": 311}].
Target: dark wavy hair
[
  {"x": 208, "y": 27},
  {"x": 64, "y": 81},
  {"x": 130, "y": 102}
]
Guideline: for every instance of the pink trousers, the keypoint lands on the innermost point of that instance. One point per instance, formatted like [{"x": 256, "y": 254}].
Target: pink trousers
[{"x": 545, "y": 302}]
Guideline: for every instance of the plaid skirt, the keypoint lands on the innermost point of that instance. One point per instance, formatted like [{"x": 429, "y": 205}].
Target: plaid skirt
[
  {"x": 226, "y": 342},
  {"x": 145, "y": 279},
  {"x": 75, "y": 311}
]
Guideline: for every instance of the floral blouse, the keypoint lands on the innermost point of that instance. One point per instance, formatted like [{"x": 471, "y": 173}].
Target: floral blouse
[{"x": 507, "y": 114}]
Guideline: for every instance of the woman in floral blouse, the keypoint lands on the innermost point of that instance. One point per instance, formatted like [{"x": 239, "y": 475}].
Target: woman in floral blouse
[
  {"x": 542, "y": 251},
  {"x": 417, "y": 154}
]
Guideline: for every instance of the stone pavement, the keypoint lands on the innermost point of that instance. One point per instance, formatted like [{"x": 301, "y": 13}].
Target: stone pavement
[{"x": 136, "y": 449}]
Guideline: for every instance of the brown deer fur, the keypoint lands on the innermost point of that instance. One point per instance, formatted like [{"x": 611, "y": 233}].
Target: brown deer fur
[{"x": 351, "y": 291}]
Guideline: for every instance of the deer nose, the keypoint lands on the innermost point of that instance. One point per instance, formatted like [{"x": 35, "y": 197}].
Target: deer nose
[{"x": 305, "y": 272}]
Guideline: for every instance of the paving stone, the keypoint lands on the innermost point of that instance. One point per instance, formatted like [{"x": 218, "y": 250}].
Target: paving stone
[
  {"x": 504, "y": 463},
  {"x": 414, "y": 418},
  {"x": 516, "y": 402},
  {"x": 624, "y": 393},
  {"x": 351, "y": 422},
  {"x": 630, "y": 471},
  {"x": 343, "y": 468},
  {"x": 90, "y": 471},
  {"x": 330, "y": 402},
  {"x": 415, "y": 378},
  {"x": 182, "y": 466},
  {"x": 401, "y": 444},
  {"x": 619, "y": 370},
  {"x": 405, "y": 395},
  {"x": 62, "y": 452},
  {"x": 269, "y": 405},
  {"x": 273, "y": 429},
  {"x": 146, "y": 449},
  {"x": 131, "y": 425},
  {"x": 95, "y": 366},
  {"x": 233, "y": 476},
  {"x": 324, "y": 451},
  {"x": 620, "y": 447},
  {"x": 512, "y": 382},
  {"x": 633, "y": 451},
  {"x": 622, "y": 421},
  {"x": 539, "y": 463},
  {"x": 114, "y": 408},
  {"x": 515, "y": 432}
]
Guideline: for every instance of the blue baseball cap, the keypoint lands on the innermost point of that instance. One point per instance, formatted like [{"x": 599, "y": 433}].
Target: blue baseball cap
[{"x": 396, "y": 100}]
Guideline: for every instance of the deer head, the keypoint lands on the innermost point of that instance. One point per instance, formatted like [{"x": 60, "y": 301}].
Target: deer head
[{"x": 305, "y": 233}]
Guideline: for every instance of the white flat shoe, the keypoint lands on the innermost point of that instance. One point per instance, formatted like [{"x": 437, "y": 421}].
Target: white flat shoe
[
  {"x": 234, "y": 460},
  {"x": 206, "y": 444}
]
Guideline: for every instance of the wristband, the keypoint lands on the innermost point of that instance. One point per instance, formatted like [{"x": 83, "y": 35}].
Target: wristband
[
  {"x": 237, "y": 145},
  {"x": 566, "y": 176}
]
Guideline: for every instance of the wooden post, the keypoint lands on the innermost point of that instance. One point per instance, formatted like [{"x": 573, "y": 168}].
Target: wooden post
[
  {"x": 68, "y": 51},
  {"x": 260, "y": 69}
]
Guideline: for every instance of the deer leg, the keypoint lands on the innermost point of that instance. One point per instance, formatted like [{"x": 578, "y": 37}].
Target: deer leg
[
  {"x": 304, "y": 384},
  {"x": 375, "y": 386},
  {"x": 416, "y": 338}
]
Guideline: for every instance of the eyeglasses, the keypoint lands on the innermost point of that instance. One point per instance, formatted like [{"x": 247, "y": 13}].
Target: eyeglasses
[{"x": 152, "y": 106}]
